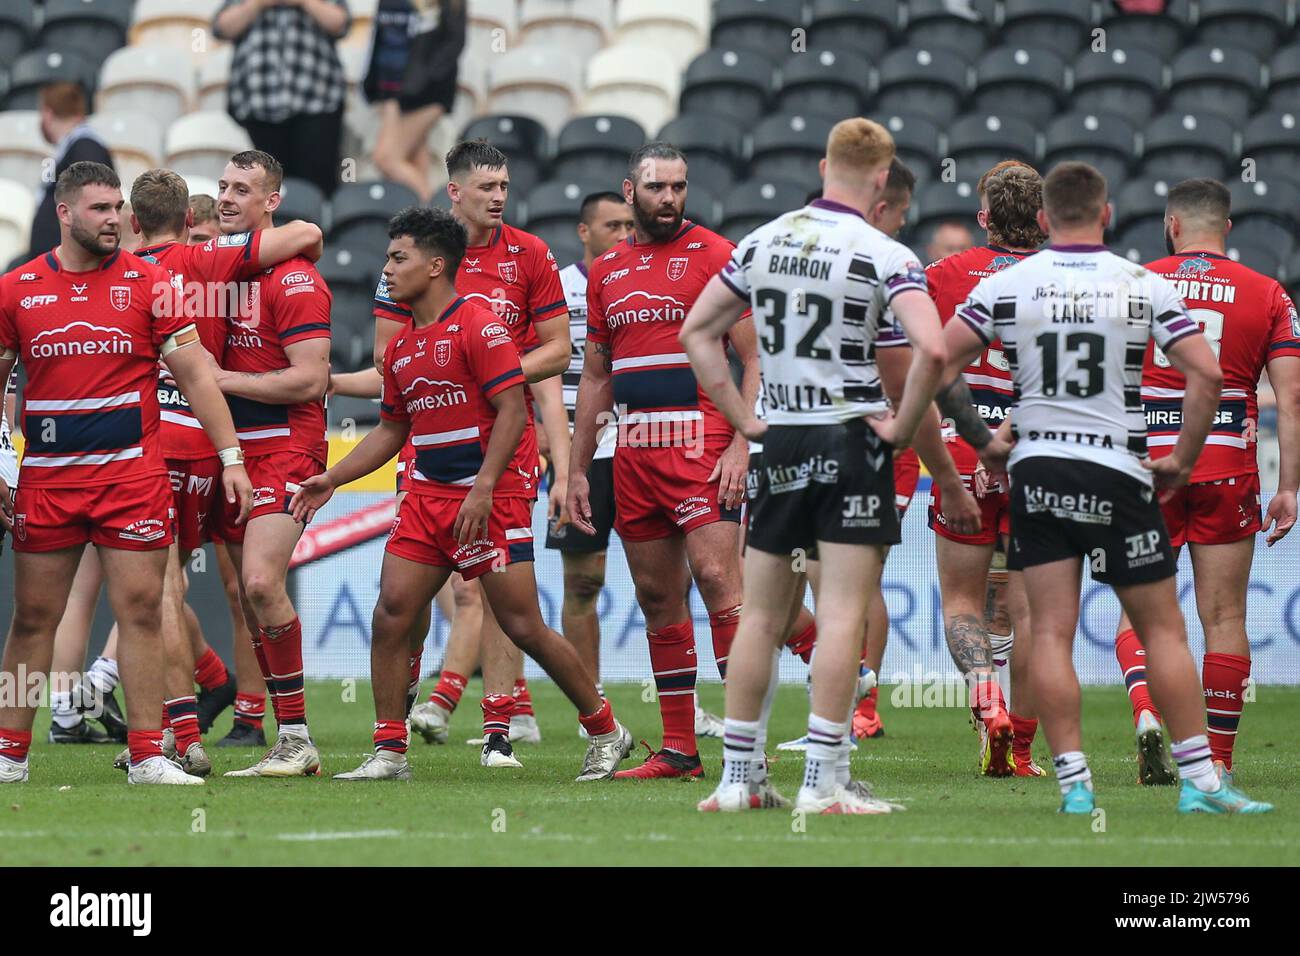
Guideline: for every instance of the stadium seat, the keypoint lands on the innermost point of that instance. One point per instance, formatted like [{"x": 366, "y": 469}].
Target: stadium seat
[
  {"x": 1219, "y": 79},
  {"x": 17, "y": 204},
  {"x": 533, "y": 81},
  {"x": 17, "y": 27},
  {"x": 702, "y": 206},
  {"x": 35, "y": 68},
  {"x": 1293, "y": 276},
  {"x": 1106, "y": 140},
  {"x": 351, "y": 273},
  {"x": 1284, "y": 78},
  {"x": 491, "y": 27},
  {"x": 148, "y": 79},
  {"x": 679, "y": 30},
  {"x": 522, "y": 139},
  {"x": 23, "y": 150},
  {"x": 1254, "y": 25},
  {"x": 202, "y": 142},
  {"x": 1140, "y": 200},
  {"x": 596, "y": 148},
  {"x": 1182, "y": 145},
  {"x": 578, "y": 27},
  {"x": 789, "y": 147},
  {"x": 630, "y": 80},
  {"x": 865, "y": 25},
  {"x": 1162, "y": 34},
  {"x": 932, "y": 83},
  {"x": 177, "y": 24},
  {"x": 200, "y": 185},
  {"x": 979, "y": 140},
  {"x": 1263, "y": 213},
  {"x": 1265, "y": 259},
  {"x": 1029, "y": 82},
  {"x": 936, "y": 23},
  {"x": 1125, "y": 80},
  {"x": 916, "y": 141},
  {"x": 1143, "y": 245},
  {"x": 135, "y": 139},
  {"x": 829, "y": 81},
  {"x": 94, "y": 28},
  {"x": 359, "y": 213},
  {"x": 1061, "y": 26},
  {"x": 713, "y": 146},
  {"x": 757, "y": 201},
  {"x": 559, "y": 201},
  {"x": 1272, "y": 140},
  {"x": 731, "y": 83},
  {"x": 214, "y": 78},
  {"x": 301, "y": 199},
  {"x": 764, "y": 26},
  {"x": 939, "y": 202}
]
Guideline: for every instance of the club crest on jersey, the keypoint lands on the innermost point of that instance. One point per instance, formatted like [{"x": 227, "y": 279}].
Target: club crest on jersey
[
  {"x": 1197, "y": 265},
  {"x": 442, "y": 352},
  {"x": 1002, "y": 262},
  {"x": 20, "y": 527},
  {"x": 677, "y": 266},
  {"x": 119, "y": 296},
  {"x": 508, "y": 271}
]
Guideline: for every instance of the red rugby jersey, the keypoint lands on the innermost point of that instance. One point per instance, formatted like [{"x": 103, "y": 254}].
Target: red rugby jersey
[
  {"x": 1248, "y": 319},
  {"x": 637, "y": 300},
  {"x": 209, "y": 290},
  {"x": 440, "y": 378},
  {"x": 90, "y": 344},
  {"x": 288, "y": 303}
]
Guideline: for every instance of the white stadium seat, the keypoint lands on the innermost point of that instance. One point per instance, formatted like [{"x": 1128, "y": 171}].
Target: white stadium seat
[
  {"x": 630, "y": 80},
  {"x": 677, "y": 28},
  {"x": 360, "y": 119},
  {"x": 147, "y": 79},
  {"x": 24, "y": 154},
  {"x": 17, "y": 206},
  {"x": 200, "y": 185},
  {"x": 136, "y": 140},
  {"x": 184, "y": 25},
  {"x": 214, "y": 77},
  {"x": 492, "y": 26},
  {"x": 471, "y": 89},
  {"x": 577, "y": 27},
  {"x": 201, "y": 143},
  {"x": 536, "y": 82}
]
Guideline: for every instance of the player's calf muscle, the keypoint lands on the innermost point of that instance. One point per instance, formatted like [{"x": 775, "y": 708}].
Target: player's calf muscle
[{"x": 968, "y": 643}]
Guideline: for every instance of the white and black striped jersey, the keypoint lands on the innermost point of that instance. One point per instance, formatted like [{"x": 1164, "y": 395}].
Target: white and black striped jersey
[
  {"x": 8, "y": 457},
  {"x": 819, "y": 280},
  {"x": 1074, "y": 323},
  {"x": 573, "y": 279}
]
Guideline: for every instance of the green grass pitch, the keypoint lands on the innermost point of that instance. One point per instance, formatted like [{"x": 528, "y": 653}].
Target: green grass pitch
[{"x": 77, "y": 810}]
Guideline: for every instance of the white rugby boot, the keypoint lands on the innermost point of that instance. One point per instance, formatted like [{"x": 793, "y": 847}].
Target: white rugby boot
[
  {"x": 160, "y": 770},
  {"x": 605, "y": 753},
  {"x": 383, "y": 765}
]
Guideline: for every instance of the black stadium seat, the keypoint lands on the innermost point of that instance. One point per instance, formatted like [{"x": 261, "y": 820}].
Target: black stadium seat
[
  {"x": 866, "y": 25},
  {"x": 522, "y": 139},
  {"x": 939, "y": 202},
  {"x": 1028, "y": 82},
  {"x": 756, "y": 201},
  {"x": 1254, "y": 25},
  {"x": 1125, "y": 80},
  {"x": 789, "y": 147},
  {"x": 558, "y": 201},
  {"x": 1272, "y": 140},
  {"x": 735, "y": 83},
  {"x": 1284, "y": 78},
  {"x": 765, "y": 26},
  {"x": 702, "y": 206},
  {"x": 35, "y": 68},
  {"x": 94, "y": 28},
  {"x": 17, "y": 25},
  {"x": 300, "y": 199},
  {"x": 978, "y": 141},
  {"x": 596, "y": 147},
  {"x": 713, "y": 146},
  {"x": 360, "y": 212},
  {"x": 1263, "y": 213},
  {"x": 934, "y": 23},
  {"x": 917, "y": 142},
  {"x": 933, "y": 83},
  {"x": 1106, "y": 140},
  {"x": 1163, "y": 34},
  {"x": 1293, "y": 276},
  {"x": 1221, "y": 79},
  {"x": 1140, "y": 200},
  {"x": 351, "y": 272},
  {"x": 1184, "y": 145},
  {"x": 1264, "y": 259},
  {"x": 829, "y": 81},
  {"x": 1058, "y": 25}
]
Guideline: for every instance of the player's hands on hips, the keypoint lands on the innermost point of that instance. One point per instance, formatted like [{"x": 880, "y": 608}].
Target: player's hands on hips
[
  {"x": 234, "y": 479},
  {"x": 885, "y": 425},
  {"x": 993, "y": 457},
  {"x": 1169, "y": 475},
  {"x": 557, "y": 505},
  {"x": 1280, "y": 516},
  {"x": 578, "y": 503},
  {"x": 473, "y": 515},
  {"x": 961, "y": 511},
  {"x": 982, "y": 482},
  {"x": 753, "y": 428},
  {"x": 311, "y": 497},
  {"x": 731, "y": 472}
]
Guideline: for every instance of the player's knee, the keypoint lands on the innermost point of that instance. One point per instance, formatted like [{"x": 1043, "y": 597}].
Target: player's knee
[
  {"x": 32, "y": 620},
  {"x": 263, "y": 589},
  {"x": 390, "y": 621},
  {"x": 466, "y": 594},
  {"x": 717, "y": 583},
  {"x": 581, "y": 591}
]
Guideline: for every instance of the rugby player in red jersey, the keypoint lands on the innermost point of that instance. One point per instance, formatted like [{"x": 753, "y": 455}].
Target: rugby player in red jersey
[
  {"x": 274, "y": 374},
  {"x": 454, "y": 386},
  {"x": 1251, "y": 325},
  {"x": 680, "y": 468},
  {"x": 89, "y": 323}
]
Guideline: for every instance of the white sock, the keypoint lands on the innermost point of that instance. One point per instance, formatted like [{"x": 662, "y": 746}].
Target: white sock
[
  {"x": 758, "y": 765},
  {"x": 1071, "y": 768},
  {"x": 1001, "y": 645},
  {"x": 842, "y": 774},
  {"x": 61, "y": 710},
  {"x": 103, "y": 675},
  {"x": 600, "y": 690},
  {"x": 293, "y": 730},
  {"x": 738, "y": 739},
  {"x": 825, "y": 738},
  {"x": 698, "y": 709},
  {"x": 1194, "y": 763}
]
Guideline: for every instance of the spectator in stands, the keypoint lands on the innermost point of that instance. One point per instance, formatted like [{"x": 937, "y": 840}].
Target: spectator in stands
[
  {"x": 948, "y": 239},
  {"x": 412, "y": 80},
  {"x": 63, "y": 124},
  {"x": 205, "y": 225},
  {"x": 286, "y": 80}
]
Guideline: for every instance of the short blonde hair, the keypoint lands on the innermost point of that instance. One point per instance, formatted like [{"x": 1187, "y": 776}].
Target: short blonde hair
[
  {"x": 860, "y": 145},
  {"x": 160, "y": 199}
]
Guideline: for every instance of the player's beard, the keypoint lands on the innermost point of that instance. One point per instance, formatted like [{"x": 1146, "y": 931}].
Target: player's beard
[
  {"x": 651, "y": 226},
  {"x": 1169, "y": 241},
  {"x": 95, "y": 243}
]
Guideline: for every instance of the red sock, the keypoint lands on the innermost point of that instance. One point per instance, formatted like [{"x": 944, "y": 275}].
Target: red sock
[
  {"x": 1225, "y": 677},
  {"x": 986, "y": 700},
  {"x": 250, "y": 709},
  {"x": 413, "y": 663},
  {"x": 523, "y": 699},
  {"x": 447, "y": 693},
  {"x": 1024, "y": 729},
  {"x": 390, "y": 735},
  {"x": 867, "y": 705},
  {"x": 672, "y": 658},
  {"x": 723, "y": 626},
  {"x": 265, "y": 668},
  {"x": 209, "y": 671},
  {"x": 183, "y": 712},
  {"x": 801, "y": 645},
  {"x": 601, "y": 722},
  {"x": 282, "y": 646},
  {"x": 1133, "y": 663},
  {"x": 496, "y": 714},
  {"x": 166, "y": 717},
  {"x": 14, "y": 744},
  {"x": 144, "y": 744}
]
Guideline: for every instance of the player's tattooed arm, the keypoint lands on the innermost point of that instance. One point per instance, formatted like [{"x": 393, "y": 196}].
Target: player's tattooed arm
[
  {"x": 968, "y": 643},
  {"x": 955, "y": 402},
  {"x": 607, "y": 356}
]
